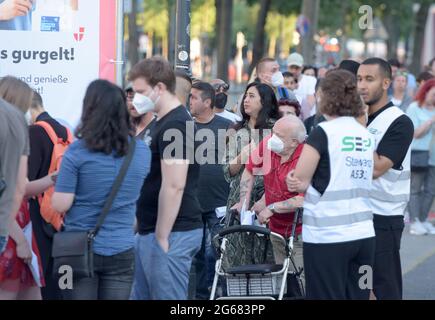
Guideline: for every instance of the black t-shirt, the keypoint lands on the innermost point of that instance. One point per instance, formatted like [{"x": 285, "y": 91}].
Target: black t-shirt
[
  {"x": 312, "y": 122},
  {"x": 319, "y": 141},
  {"x": 213, "y": 189},
  {"x": 41, "y": 147},
  {"x": 144, "y": 135},
  {"x": 178, "y": 125},
  {"x": 41, "y": 150},
  {"x": 396, "y": 141}
]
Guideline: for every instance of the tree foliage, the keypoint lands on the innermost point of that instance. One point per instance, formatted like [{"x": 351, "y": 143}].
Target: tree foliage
[{"x": 337, "y": 17}]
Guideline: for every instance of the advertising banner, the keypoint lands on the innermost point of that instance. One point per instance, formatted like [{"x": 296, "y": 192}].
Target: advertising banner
[{"x": 58, "y": 48}]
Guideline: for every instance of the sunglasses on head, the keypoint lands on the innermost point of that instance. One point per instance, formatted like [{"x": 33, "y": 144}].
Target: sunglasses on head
[{"x": 221, "y": 87}]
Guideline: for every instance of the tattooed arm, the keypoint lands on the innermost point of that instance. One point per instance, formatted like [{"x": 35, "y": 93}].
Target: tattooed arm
[
  {"x": 286, "y": 206},
  {"x": 289, "y": 205},
  {"x": 246, "y": 184}
]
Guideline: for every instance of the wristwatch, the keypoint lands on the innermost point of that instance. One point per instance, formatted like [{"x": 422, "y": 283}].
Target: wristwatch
[{"x": 271, "y": 207}]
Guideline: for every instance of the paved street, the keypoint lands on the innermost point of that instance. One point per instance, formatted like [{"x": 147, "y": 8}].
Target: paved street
[{"x": 418, "y": 266}]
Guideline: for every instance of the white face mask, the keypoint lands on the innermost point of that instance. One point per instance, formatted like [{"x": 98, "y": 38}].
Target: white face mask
[
  {"x": 28, "y": 117},
  {"x": 143, "y": 104},
  {"x": 275, "y": 144},
  {"x": 277, "y": 79}
]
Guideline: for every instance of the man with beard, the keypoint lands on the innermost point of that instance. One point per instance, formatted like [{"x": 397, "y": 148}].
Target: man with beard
[{"x": 393, "y": 132}]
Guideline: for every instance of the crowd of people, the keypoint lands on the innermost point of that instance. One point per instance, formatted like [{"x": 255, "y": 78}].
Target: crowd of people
[{"x": 352, "y": 145}]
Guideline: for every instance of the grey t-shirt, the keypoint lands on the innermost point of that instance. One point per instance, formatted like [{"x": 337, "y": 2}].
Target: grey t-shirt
[{"x": 14, "y": 143}]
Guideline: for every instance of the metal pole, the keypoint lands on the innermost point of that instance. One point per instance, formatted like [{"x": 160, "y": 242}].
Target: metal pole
[
  {"x": 119, "y": 67},
  {"x": 172, "y": 27},
  {"x": 182, "y": 44}
]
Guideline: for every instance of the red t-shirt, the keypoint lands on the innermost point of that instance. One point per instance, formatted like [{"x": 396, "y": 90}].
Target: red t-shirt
[{"x": 264, "y": 162}]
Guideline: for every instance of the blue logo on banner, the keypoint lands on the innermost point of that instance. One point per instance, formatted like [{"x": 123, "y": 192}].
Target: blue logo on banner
[{"x": 50, "y": 24}]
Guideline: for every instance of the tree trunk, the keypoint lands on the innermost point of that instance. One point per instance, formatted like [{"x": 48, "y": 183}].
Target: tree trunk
[
  {"x": 260, "y": 41},
  {"x": 133, "y": 39},
  {"x": 272, "y": 46},
  {"x": 310, "y": 10},
  {"x": 224, "y": 18},
  {"x": 346, "y": 21},
  {"x": 420, "y": 27},
  {"x": 393, "y": 29}
]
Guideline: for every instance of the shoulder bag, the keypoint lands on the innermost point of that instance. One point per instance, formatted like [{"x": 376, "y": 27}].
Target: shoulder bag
[{"x": 75, "y": 249}]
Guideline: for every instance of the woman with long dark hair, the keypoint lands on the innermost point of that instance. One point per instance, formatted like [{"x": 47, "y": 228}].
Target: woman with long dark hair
[
  {"x": 88, "y": 171},
  {"x": 260, "y": 112}
]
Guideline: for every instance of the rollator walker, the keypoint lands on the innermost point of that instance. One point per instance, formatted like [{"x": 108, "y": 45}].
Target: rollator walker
[{"x": 246, "y": 268}]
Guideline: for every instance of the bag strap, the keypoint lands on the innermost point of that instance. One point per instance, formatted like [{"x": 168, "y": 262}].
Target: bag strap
[
  {"x": 49, "y": 130},
  {"x": 282, "y": 91},
  {"x": 52, "y": 134},
  {"x": 115, "y": 187}
]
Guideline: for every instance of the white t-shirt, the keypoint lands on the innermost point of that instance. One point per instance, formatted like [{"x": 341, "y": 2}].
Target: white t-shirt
[
  {"x": 307, "y": 87},
  {"x": 396, "y": 102},
  {"x": 229, "y": 115}
]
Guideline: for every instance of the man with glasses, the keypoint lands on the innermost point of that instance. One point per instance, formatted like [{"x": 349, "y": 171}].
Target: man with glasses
[{"x": 142, "y": 123}]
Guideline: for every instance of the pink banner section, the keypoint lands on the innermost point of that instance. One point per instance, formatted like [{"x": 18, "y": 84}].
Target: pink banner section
[{"x": 108, "y": 39}]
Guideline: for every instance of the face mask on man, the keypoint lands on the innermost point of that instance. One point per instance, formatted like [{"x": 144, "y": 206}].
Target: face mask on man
[
  {"x": 143, "y": 104},
  {"x": 277, "y": 79},
  {"x": 275, "y": 144},
  {"x": 221, "y": 100}
]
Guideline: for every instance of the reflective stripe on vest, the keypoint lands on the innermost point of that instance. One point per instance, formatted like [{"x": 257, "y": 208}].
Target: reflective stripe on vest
[
  {"x": 394, "y": 176},
  {"x": 341, "y": 220},
  {"x": 337, "y": 195},
  {"x": 388, "y": 197}
]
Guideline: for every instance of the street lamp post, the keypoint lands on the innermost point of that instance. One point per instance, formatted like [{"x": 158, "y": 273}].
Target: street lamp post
[{"x": 182, "y": 42}]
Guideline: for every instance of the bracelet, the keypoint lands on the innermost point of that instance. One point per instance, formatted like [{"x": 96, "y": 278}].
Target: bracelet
[{"x": 53, "y": 178}]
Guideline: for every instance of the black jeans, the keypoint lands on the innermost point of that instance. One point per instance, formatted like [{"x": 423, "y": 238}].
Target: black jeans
[
  {"x": 387, "y": 272},
  {"x": 112, "y": 281},
  {"x": 332, "y": 270}
]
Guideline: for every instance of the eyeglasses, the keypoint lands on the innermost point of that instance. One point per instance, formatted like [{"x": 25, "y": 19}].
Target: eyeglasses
[
  {"x": 129, "y": 94},
  {"x": 218, "y": 87}
]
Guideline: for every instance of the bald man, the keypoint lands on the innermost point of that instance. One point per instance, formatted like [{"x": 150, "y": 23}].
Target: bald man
[{"x": 274, "y": 158}]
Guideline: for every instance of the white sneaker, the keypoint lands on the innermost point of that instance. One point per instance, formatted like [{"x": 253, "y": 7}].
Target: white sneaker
[
  {"x": 429, "y": 227},
  {"x": 417, "y": 229}
]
